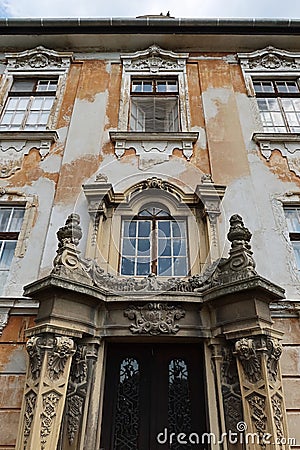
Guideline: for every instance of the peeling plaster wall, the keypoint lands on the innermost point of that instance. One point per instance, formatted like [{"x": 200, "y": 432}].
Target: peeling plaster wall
[{"x": 226, "y": 118}]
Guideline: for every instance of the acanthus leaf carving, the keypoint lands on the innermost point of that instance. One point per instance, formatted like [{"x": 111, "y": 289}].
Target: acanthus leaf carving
[
  {"x": 63, "y": 349},
  {"x": 36, "y": 353},
  {"x": 245, "y": 350},
  {"x": 154, "y": 318}
]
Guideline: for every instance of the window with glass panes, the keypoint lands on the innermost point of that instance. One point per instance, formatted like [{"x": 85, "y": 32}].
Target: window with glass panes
[
  {"x": 279, "y": 105},
  {"x": 292, "y": 215},
  {"x": 11, "y": 219},
  {"x": 29, "y": 104},
  {"x": 154, "y": 242},
  {"x": 154, "y": 105}
]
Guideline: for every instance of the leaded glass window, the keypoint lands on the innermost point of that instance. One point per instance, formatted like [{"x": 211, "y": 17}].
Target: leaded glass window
[
  {"x": 154, "y": 242},
  {"x": 279, "y": 105}
]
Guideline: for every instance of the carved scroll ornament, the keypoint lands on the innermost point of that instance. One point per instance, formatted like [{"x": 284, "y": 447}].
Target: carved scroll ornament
[
  {"x": 154, "y": 318},
  {"x": 239, "y": 266}
]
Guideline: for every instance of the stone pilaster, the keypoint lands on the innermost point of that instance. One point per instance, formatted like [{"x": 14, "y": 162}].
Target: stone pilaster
[
  {"x": 261, "y": 389},
  {"x": 74, "y": 428},
  {"x": 46, "y": 384},
  {"x": 228, "y": 393}
]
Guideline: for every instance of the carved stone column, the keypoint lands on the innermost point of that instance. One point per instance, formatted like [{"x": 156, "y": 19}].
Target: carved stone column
[
  {"x": 231, "y": 393},
  {"x": 46, "y": 384},
  {"x": 261, "y": 388},
  {"x": 228, "y": 393},
  {"x": 74, "y": 428}
]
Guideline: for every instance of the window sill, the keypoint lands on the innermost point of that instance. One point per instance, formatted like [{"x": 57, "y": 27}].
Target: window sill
[
  {"x": 16, "y": 144},
  {"x": 288, "y": 144},
  {"x": 152, "y": 145},
  {"x": 284, "y": 142}
]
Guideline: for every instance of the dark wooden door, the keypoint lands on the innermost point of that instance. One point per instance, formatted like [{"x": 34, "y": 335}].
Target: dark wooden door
[{"x": 152, "y": 394}]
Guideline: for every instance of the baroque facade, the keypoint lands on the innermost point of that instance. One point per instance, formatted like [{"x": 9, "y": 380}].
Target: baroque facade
[{"x": 150, "y": 234}]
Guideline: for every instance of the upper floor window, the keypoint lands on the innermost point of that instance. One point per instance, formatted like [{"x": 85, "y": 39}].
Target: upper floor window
[
  {"x": 154, "y": 242},
  {"x": 279, "y": 105},
  {"x": 292, "y": 215},
  {"x": 154, "y": 113},
  {"x": 29, "y": 104},
  {"x": 11, "y": 219},
  {"x": 154, "y": 105}
]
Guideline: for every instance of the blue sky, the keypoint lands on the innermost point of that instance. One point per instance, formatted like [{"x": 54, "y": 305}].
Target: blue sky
[{"x": 133, "y": 8}]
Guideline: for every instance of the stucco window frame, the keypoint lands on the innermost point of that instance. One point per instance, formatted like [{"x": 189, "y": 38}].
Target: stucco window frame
[
  {"x": 39, "y": 62},
  {"x": 266, "y": 64},
  {"x": 149, "y": 63},
  {"x": 35, "y": 63}
]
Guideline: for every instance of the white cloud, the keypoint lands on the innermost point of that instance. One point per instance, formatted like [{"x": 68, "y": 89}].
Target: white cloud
[{"x": 178, "y": 8}]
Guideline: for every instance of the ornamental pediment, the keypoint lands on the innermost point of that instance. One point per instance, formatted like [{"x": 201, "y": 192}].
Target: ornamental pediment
[
  {"x": 39, "y": 58},
  {"x": 154, "y": 60},
  {"x": 268, "y": 59}
]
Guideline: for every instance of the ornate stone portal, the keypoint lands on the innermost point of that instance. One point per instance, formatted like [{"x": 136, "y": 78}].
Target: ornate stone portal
[{"x": 227, "y": 306}]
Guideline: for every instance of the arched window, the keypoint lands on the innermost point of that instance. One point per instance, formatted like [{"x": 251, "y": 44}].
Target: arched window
[{"x": 154, "y": 242}]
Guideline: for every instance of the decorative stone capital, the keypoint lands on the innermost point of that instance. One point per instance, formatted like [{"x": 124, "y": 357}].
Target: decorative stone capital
[
  {"x": 45, "y": 390},
  {"x": 245, "y": 350},
  {"x": 261, "y": 388},
  {"x": 4, "y": 315},
  {"x": 63, "y": 349}
]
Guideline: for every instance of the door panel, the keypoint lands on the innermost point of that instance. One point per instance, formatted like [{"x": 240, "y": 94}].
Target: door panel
[{"x": 152, "y": 389}]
